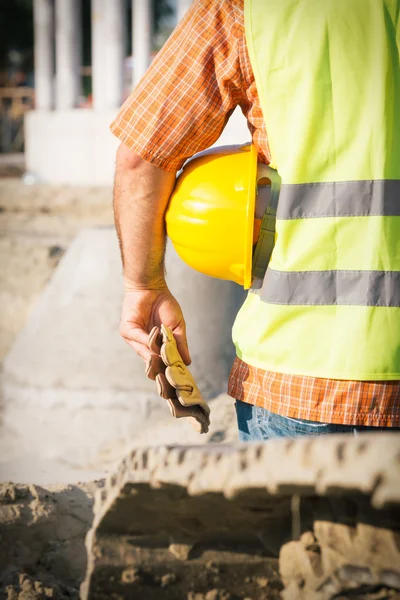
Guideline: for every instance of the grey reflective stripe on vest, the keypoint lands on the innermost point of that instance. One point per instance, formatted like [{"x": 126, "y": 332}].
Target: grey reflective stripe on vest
[
  {"x": 339, "y": 199},
  {"x": 358, "y": 288}
]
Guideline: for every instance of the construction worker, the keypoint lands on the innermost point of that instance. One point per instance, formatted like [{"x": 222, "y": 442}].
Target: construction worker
[{"x": 319, "y": 83}]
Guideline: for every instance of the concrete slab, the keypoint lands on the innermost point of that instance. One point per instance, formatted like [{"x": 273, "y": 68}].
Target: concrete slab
[
  {"x": 19, "y": 465},
  {"x": 71, "y": 385}
]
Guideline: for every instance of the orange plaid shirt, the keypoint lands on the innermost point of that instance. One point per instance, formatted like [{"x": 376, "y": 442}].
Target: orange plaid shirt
[{"x": 180, "y": 107}]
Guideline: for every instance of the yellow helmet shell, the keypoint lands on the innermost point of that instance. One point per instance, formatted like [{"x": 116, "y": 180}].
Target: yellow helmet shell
[{"x": 210, "y": 217}]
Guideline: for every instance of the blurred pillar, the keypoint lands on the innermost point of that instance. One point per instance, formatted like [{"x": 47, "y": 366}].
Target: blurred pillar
[
  {"x": 108, "y": 53},
  {"x": 141, "y": 38},
  {"x": 182, "y": 7},
  {"x": 68, "y": 53},
  {"x": 44, "y": 53},
  {"x": 99, "y": 75}
]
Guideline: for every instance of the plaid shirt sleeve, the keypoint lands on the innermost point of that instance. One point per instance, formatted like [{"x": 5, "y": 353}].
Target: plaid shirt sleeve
[{"x": 184, "y": 100}]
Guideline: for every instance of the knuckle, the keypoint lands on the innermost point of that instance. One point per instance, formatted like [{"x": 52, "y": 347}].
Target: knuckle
[
  {"x": 126, "y": 332},
  {"x": 122, "y": 330}
]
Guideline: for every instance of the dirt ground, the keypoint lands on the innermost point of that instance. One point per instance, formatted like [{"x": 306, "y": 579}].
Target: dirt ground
[{"x": 42, "y": 551}]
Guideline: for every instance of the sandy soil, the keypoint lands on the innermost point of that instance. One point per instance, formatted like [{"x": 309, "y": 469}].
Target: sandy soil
[{"x": 42, "y": 551}]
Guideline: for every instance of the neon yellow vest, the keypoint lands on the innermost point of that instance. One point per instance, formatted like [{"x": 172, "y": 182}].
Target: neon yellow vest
[{"x": 328, "y": 77}]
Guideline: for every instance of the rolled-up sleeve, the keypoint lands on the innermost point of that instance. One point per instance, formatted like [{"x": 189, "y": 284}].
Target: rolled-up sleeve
[{"x": 184, "y": 100}]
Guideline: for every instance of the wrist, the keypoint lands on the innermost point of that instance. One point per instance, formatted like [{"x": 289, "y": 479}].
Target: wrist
[{"x": 157, "y": 284}]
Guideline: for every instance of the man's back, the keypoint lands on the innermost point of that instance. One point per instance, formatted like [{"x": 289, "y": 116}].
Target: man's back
[{"x": 328, "y": 79}]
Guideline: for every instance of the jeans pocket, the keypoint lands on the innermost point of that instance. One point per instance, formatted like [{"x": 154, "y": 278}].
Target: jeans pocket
[
  {"x": 261, "y": 424},
  {"x": 302, "y": 427},
  {"x": 252, "y": 422},
  {"x": 277, "y": 426}
]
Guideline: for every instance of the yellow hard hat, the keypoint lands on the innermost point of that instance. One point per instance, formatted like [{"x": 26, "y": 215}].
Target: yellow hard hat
[{"x": 211, "y": 218}]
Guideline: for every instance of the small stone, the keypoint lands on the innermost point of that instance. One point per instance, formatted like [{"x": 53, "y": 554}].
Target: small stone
[
  {"x": 38, "y": 587},
  {"x": 131, "y": 575},
  {"x": 26, "y": 584},
  {"x": 217, "y": 595},
  {"x": 262, "y": 582},
  {"x": 212, "y": 566},
  {"x": 55, "y": 251},
  {"x": 194, "y": 596},
  {"x": 12, "y": 594},
  {"x": 168, "y": 579},
  {"x": 180, "y": 551},
  {"x": 49, "y": 592}
]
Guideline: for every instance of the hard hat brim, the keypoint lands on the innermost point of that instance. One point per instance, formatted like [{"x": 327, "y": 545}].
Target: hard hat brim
[{"x": 251, "y": 204}]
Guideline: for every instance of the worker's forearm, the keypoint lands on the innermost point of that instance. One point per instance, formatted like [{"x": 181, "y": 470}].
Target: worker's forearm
[{"x": 141, "y": 195}]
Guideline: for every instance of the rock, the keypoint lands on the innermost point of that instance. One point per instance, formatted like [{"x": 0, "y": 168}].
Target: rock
[
  {"x": 262, "y": 582},
  {"x": 180, "y": 551},
  {"x": 131, "y": 575},
  {"x": 168, "y": 579}
]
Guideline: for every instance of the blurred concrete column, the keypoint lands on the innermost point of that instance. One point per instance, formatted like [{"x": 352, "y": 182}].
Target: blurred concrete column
[
  {"x": 44, "y": 53},
  {"x": 182, "y": 7},
  {"x": 115, "y": 52},
  {"x": 141, "y": 38},
  {"x": 108, "y": 53},
  {"x": 99, "y": 75},
  {"x": 68, "y": 53}
]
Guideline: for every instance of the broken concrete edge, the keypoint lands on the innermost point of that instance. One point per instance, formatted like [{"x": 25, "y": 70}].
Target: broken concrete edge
[
  {"x": 320, "y": 466},
  {"x": 326, "y": 465},
  {"x": 338, "y": 465}
]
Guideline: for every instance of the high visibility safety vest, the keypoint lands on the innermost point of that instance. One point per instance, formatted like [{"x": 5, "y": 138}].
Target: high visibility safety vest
[{"x": 328, "y": 77}]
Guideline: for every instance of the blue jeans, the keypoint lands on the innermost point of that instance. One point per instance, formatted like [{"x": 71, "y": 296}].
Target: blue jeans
[{"x": 257, "y": 424}]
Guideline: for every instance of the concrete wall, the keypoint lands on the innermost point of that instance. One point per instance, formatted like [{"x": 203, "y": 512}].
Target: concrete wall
[
  {"x": 72, "y": 147},
  {"x": 76, "y": 147}
]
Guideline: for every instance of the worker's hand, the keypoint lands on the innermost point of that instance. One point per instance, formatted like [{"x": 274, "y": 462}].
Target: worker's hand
[{"x": 144, "y": 309}]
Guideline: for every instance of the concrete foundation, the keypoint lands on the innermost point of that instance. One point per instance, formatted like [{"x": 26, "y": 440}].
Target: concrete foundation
[
  {"x": 71, "y": 385},
  {"x": 76, "y": 147},
  {"x": 71, "y": 147}
]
